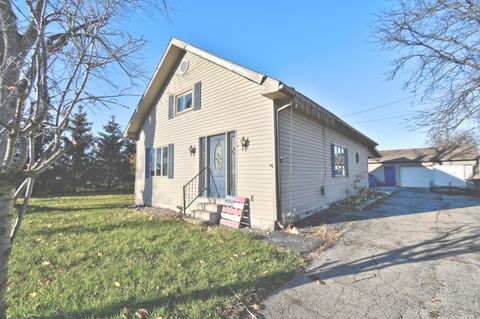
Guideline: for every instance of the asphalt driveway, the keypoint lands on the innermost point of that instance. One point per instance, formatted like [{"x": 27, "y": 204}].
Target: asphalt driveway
[{"x": 415, "y": 256}]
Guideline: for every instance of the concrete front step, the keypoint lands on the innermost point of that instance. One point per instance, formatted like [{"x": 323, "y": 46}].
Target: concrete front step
[
  {"x": 210, "y": 200},
  {"x": 211, "y": 217},
  {"x": 209, "y": 207}
]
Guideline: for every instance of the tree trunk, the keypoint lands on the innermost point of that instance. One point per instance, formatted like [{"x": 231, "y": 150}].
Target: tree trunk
[{"x": 6, "y": 208}]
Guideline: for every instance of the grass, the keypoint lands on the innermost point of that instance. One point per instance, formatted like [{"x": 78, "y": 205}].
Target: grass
[{"x": 90, "y": 257}]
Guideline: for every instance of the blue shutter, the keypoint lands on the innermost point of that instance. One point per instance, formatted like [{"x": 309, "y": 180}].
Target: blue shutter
[
  {"x": 332, "y": 158},
  {"x": 170, "y": 160},
  {"x": 197, "y": 93},
  {"x": 147, "y": 162},
  {"x": 346, "y": 162},
  {"x": 170, "y": 106}
]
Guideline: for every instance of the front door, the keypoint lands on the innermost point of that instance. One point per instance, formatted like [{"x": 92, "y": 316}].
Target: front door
[
  {"x": 390, "y": 175},
  {"x": 217, "y": 160}
]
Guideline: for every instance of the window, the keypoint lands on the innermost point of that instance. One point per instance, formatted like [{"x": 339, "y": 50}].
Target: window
[
  {"x": 159, "y": 162},
  {"x": 339, "y": 156},
  {"x": 152, "y": 162},
  {"x": 357, "y": 158},
  {"x": 184, "y": 101},
  {"x": 165, "y": 162}
]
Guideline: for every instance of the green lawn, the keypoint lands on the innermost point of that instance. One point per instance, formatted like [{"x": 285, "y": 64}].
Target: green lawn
[{"x": 90, "y": 257}]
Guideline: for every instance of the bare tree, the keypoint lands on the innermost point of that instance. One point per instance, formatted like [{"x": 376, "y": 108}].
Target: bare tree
[
  {"x": 438, "y": 42},
  {"x": 455, "y": 139},
  {"x": 54, "y": 56}
]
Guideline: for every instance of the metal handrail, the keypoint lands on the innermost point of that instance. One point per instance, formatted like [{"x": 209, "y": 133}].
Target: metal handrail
[
  {"x": 214, "y": 184},
  {"x": 206, "y": 187}
]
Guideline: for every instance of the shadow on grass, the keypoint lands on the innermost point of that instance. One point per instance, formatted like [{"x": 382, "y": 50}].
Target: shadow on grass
[
  {"x": 170, "y": 302},
  {"x": 32, "y": 209},
  {"x": 86, "y": 193},
  {"x": 101, "y": 226}
]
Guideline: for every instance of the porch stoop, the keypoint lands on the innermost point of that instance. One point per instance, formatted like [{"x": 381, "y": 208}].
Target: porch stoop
[{"x": 207, "y": 209}]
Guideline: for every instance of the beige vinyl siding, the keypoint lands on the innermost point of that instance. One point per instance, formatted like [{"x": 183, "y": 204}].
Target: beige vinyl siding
[
  {"x": 229, "y": 102},
  {"x": 305, "y": 145}
]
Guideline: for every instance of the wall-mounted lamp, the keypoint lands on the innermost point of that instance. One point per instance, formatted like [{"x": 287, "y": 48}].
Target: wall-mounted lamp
[
  {"x": 245, "y": 142},
  {"x": 192, "y": 149}
]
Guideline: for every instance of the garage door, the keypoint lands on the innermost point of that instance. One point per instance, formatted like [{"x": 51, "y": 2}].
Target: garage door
[{"x": 415, "y": 176}]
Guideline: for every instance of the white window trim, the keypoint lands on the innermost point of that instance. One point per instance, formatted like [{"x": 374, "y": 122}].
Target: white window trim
[
  {"x": 184, "y": 93},
  {"x": 161, "y": 163},
  {"x": 152, "y": 162},
  {"x": 154, "y": 150},
  {"x": 344, "y": 174},
  {"x": 165, "y": 174}
]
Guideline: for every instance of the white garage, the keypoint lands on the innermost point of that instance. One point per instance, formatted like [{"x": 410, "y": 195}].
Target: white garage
[
  {"x": 415, "y": 176},
  {"x": 439, "y": 175},
  {"x": 456, "y": 166}
]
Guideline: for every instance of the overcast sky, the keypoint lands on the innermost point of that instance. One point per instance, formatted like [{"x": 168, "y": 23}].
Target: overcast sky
[{"x": 322, "y": 48}]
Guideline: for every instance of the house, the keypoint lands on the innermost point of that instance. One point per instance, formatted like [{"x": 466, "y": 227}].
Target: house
[
  {"x": 206, "y": 128},
  {"x": 425, "y": 167}
]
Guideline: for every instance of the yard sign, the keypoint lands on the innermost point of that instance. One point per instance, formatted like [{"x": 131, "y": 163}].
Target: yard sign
[{"x": 235, "y": 212}]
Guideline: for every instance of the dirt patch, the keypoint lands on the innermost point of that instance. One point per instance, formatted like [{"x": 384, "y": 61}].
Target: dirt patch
[
  {"x": 326, "y": 233},
  {"x": 156, "y": 211}
]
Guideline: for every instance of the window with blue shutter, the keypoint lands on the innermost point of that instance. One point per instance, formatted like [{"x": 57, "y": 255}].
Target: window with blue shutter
[
  {"x": 170, "y": 160},
  {"x": 339, "y": 158},
  {"x": 197, "y": 92},
  {"x": 147, "y": 162},
  {"x": 165, "y": 161},
  {"x": 151, "y": 162},
  {"x": 158, "y": 162},
  {"x": 171, "y": 102},
  {"x": 346, "y": 161}
]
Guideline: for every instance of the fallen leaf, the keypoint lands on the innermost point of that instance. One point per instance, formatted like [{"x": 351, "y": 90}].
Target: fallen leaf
[
  {"x": 33, "y": 294},
  {"x": 125, "y": 312},
  {"x": 45, "y": 282},
  {"x": 46, "y": 263},
  {"x": 255, "y": 307},
  {"x": 292, "y": 230},
  {"x": 117, "y": 284},
  {"x": 141, "y": 313}
]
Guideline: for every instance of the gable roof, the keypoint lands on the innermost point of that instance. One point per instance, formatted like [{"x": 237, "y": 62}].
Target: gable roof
[
  {"x": 270, "y": 87},
  {"x": 429, "y": 154}
]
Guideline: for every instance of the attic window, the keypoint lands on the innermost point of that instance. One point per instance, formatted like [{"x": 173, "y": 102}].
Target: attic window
[
  {"x": 184, "y": 66},
  {"x": 184, "y": 101}
]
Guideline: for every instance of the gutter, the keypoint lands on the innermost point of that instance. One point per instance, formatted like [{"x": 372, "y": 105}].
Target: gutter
[{"x": 277, "y": 161}]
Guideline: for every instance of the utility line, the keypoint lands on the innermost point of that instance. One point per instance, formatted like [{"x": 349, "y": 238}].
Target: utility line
[
  {"x": 377, "y": 107},
  {"x": 381, "y": 119}
]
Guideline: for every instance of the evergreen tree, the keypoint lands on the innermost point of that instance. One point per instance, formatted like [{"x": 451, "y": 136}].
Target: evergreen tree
[
  {"x": 109, "y": 155},
  {"x": 79, "y": 157},
  {"x": 52, "y": 180},
  {"x": 128, "y": 167}
]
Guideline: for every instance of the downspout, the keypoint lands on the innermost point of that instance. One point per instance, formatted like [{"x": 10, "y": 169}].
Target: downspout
[{"x": 277, "y": 161}]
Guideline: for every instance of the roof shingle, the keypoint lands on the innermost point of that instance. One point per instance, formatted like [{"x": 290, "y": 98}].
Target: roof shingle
[{"x": 430, "y": 154}]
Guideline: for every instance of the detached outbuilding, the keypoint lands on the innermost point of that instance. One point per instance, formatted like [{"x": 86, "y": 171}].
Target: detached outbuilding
[
  {"x": 424, "y": 167},
  {"x": 206, "y": 128}
]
